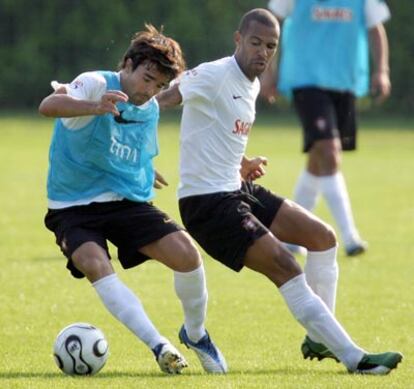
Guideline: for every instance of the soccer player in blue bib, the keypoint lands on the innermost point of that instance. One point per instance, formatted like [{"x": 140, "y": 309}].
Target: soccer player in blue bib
[
  {"x": 241, "y": 224},
  {"x": 100, "y": 186},
  {"x": 324, "y": 67}
]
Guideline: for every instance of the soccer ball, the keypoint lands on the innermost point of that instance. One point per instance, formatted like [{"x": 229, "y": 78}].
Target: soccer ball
[{"x": 80, "y": 349}]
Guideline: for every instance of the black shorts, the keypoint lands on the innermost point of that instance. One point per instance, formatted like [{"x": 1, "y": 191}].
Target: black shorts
[
  {"x": 128, "y": 225},
  {"x": 226, "y": 224},
  {"x": 326, "y": 114}
]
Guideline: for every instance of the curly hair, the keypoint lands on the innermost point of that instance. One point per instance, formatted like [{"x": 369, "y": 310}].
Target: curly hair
[{"x": 153, "y": 46}]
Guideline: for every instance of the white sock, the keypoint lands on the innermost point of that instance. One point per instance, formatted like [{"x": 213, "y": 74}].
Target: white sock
[
  {"x": 126, "y": 307},
  {"x": 321, "y": 270},
  {"x": 306, "y": 190},
  {"x": 321, "y": 325},
  {"x": 335, "y": 192},
  {"x": 191, "y": 290}
]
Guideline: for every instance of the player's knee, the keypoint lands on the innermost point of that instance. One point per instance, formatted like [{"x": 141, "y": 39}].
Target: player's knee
[
  {"x": 189, "y": 256},
  {"x": 192, "y": 256},
  {"x": 331, "y": 239},
  {"x": 326, "y": 237},
  {"x": 328, "y": 156},
  {"x": 322, "y": 238},
  {"x": 330, "y": 160},
  {"x": 93, "y": 267}
]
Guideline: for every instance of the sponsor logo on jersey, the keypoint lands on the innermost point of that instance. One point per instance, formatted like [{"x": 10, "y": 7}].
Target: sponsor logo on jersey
[
  {"x": 191, "y": 73},
  {"x": 123, "y": 151},
  {"x": 241, "y": 128},
  {"x": 321, "y": 14},
  {"x": 76, "y": 84},
  {"x": 121, "y": 120}
]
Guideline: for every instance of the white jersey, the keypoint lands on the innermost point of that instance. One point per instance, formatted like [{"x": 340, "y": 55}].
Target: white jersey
[
  {"x": 219, "y": 111},
  {"x": 87, "y": 86},
  {"x": 376, "y": 11}
]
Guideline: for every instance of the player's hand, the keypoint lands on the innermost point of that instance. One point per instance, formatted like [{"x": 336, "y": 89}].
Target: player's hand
[
  {"x": 380, "y": 86},
  {"x": 159, "y": 181},
  {"x": 108, "y": 101},
  {"x": 269, "y": 92},
  {"x": 252, "y": 169},
  {"x": 170, "y": 97},
  {"x": 268, "y": 89}
]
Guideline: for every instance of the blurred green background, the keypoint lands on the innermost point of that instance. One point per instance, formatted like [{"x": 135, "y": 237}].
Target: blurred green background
[{"x": 41, "y": 40}]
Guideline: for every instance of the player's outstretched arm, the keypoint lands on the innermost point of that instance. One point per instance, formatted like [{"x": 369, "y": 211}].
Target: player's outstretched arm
[
  {"x": 170, "y": 97},
  {"x": 60, "y": 104}
]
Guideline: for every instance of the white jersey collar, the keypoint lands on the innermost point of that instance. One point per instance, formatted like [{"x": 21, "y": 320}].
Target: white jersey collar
[{"x": 240, "y": 72}]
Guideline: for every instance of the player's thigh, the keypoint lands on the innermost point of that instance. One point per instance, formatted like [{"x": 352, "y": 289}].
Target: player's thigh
[
  {"x": 175, "y": 250},
  {"x": 346, "y": 115},
  {"x": 324, "y": 157},
  {"x": 317, "y": 113},
  {"x": 141, "y": 231},
  {"x": 223, "y": 225},
  {"x": 294, "y": 224}
]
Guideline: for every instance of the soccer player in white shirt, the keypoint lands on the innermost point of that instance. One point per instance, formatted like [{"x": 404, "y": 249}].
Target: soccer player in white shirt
[{"x": 241, "y": 224}]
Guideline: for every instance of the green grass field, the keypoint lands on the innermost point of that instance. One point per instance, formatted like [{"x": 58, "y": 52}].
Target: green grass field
[{"x": 247, "y": 317}]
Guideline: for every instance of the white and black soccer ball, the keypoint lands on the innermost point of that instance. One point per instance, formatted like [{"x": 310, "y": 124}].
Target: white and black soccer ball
[{"x": 80, "y": 349}]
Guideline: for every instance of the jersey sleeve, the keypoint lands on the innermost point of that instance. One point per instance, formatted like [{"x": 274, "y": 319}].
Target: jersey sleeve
[
  {"x": 281, "y": 8},
  {"x": 376, "y": 12},
  {"x": 198, "y": 83},
  {"x": 87, "y": 86}
]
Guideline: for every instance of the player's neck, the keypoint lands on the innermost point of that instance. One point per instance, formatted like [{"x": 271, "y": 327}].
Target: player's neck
[{"x": 243, "y": 68}]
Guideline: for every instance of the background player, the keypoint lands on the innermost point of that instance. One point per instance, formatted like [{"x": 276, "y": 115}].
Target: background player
[{"x": 324, "y": 65}]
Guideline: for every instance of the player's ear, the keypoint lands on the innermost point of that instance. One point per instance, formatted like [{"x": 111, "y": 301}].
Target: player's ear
[
  {"x": 237, "y": 37},
  {"x": 129, "y": 65}
]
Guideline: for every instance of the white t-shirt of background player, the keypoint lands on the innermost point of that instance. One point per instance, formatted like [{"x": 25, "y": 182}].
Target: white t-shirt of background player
[
  {"x": 376, "y": 11},
  {"x": 219, "y": 111},
  {"x": 88, "y": 86}
]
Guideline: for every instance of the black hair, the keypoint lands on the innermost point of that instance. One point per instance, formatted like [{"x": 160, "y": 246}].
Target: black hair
[{"x": 260, "y": 15}]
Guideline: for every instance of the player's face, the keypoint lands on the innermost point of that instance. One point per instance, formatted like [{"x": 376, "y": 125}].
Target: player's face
[
  {"x": 256, "y": 48},
  {"x": 142, "y": 83}
]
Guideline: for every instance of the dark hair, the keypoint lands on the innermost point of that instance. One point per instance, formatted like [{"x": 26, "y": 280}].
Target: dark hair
[
  {"x": 260, "y": 15},
  {"x": 152, "y": 46}
]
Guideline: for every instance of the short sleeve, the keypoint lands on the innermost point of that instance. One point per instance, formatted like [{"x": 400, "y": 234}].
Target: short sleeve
[
  {"x": 281, "y": 8},
  {"x": 376, "y": 12},
  {"x": 198, "y": 83},
  {"x": 87, "y": 86}
]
